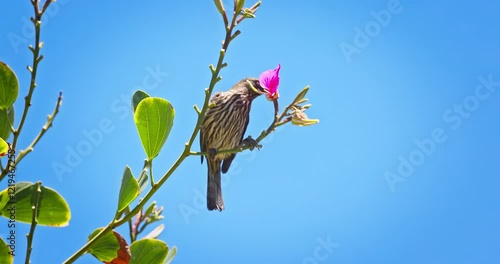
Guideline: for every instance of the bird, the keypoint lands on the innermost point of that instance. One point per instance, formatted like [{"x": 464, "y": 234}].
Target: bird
[{"x": 223, "y": 127}]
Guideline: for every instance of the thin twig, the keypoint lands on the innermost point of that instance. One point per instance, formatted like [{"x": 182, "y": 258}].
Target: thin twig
[
  {"x": 135, "y": 225},
  {"x": 34, "y": 221},
  {"x": 45, "y": 127},
  {"x": 151, "y": 173},
  {"x": 130, "y": 230},
  {"x": 36, "y": 59},
  {"x": 46, "y": 5}
]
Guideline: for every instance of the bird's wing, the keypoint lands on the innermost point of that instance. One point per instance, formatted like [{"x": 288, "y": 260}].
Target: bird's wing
[
  {"x": 227, "y": 162},
  {"x": 214, "y": 99}
]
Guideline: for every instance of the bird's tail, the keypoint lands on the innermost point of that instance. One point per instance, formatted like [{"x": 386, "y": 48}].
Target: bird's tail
[{"x": 214, "y": 190}]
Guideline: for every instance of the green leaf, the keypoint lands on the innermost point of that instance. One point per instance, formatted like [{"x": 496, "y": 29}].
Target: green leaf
[
  {"x": 153, "y": 118},
  {"x": 129, "y": 189},
  {"x": 4, "y": 148},
  {"x": 301, "y": 95},
  {"x": 171, "y": 255},
  {"x": 106, "y": 248},
  {"x": 239, "y": 6},
  {"x": 9, "y": 86},
  {"x": 6, "y": 254},
  {"x": 138, "y": 96},
  {"x": 220, "y": 6},
  {"x": 6, "y": 122},
  {"x": 151, "y": 251},
  {"x": 53, "y": 209}
]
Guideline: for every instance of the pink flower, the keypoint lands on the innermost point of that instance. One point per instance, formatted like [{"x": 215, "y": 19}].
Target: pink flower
[{"x": 270, "y": 80}]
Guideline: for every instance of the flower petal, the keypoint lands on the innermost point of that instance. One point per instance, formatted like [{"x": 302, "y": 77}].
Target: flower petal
[{"x": 270, "y": 80}]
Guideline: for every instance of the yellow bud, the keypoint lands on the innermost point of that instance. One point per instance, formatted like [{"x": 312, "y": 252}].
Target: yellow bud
[{"x": 299, "y": 118}]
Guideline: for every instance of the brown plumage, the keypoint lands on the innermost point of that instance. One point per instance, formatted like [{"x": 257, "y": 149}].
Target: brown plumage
[{"x": 223, "y": 128}]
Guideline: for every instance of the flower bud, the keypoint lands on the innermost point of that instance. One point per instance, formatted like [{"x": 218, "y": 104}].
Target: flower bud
[
  {"x": 220, "y": 6},
  {"x": 299, "y": 118}
]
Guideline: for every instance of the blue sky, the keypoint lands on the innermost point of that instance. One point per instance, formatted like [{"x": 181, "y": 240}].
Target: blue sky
[{"x": 403, "y": 167}]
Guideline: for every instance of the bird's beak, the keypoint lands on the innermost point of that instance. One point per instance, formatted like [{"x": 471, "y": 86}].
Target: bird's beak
[{"x": 253, "y": 88}]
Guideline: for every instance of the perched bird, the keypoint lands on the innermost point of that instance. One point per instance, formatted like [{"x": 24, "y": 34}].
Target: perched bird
[{"x": 223, "y": 128}]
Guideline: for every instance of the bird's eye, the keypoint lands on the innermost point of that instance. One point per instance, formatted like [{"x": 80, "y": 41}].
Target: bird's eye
[{"x": 257, "y": 86}]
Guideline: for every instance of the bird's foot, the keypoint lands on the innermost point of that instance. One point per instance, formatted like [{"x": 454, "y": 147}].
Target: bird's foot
[{"x": 251, "y": 143}]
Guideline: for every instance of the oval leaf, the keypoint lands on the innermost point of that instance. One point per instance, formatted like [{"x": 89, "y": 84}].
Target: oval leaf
[
  {"x": 53, "y": 209},
  {"x": 220, "y": 7},
  {"x": 9, "y": 86},
  {"x": 6, "y": 122},
  {"x": 138, "y": 96},
  {"x": 110, "y": 247},
  {"x": 129, "y": 189},
  {"x": 6, "y": 253},
  {"x": 153, "y": 118},
  {"x": 148, "y": 251},
  {"x": 4, "y": 148},
  {"x": 239, "y": 6},
  {"x": 301, "y": 95},
  {"x": 171, "y": 255}
]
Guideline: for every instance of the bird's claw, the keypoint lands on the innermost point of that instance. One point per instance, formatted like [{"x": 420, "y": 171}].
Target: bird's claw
[{"x": 251, "y": 143}]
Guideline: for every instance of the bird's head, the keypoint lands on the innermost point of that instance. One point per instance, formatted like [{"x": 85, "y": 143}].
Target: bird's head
[
  {"x": 253, "y": 87},
  {"x": 267, "y": 84},
  {"x": 250, "y": 86}
]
